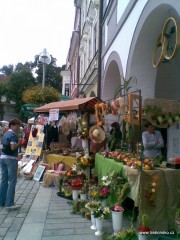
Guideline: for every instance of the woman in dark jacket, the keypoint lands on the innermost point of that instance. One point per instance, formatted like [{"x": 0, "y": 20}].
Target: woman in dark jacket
[{"x": 114, "y": 141}]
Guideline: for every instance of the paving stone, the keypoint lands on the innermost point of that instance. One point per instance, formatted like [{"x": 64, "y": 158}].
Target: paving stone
[
  {"x": 21, "y": 215},
  {"x": 65, "y": 225},
  {"x": 61, "y": 220},
  {"x": 57, "y": 232},
  {"x": 72, "y": 237},
  {"x": 3, "y": 231},
  {"x": 7, "y": 223},
  {"x": 16, "y": 225},
  {"x": 11, "y": 235}
]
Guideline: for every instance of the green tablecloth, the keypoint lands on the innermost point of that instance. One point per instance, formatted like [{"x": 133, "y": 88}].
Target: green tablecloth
[
  {"x": 167, "y": 196},
  {"x": 105, "y": 165}
]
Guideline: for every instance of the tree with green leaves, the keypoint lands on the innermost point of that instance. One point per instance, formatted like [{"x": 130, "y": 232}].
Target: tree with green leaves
[
  {"x": 17, "y": 84},
  {"x": 7, "y": 70},
  {"x": 37, "y": 95},
  {"x": 21, "y": 77}
]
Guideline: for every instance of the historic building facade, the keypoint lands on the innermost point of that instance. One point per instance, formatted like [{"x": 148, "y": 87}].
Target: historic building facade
[
  {"x": 83, "y": 52},
  {"x": 132, "y": 33}
]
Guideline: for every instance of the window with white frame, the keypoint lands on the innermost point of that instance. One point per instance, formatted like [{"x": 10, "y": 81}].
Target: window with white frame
[{"x": 66, "y": 89}]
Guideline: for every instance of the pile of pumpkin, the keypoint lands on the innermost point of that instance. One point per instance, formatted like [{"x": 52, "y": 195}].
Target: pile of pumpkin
[{"x": 130, "y": 159}]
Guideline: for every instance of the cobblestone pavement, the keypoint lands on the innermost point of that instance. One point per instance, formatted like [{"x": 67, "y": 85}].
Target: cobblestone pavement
[
  {"x": 11, "y": 221},
  {"x": 45, "y": 216}
]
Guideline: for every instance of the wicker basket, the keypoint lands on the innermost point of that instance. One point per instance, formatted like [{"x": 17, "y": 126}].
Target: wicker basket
[
  {"x": 168, "y": 106},
  {"x": 165, "y": 104}
]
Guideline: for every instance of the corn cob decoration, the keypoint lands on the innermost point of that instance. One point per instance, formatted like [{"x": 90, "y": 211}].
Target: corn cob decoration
[{"x": 124, "y": 193}]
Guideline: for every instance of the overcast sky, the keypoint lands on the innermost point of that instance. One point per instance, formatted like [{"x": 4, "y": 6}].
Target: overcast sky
[{"x": 29, "y": 26}]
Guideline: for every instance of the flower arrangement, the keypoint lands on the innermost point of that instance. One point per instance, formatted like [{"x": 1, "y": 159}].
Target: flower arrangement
[
  {"x": 76, "y": 184},
  {"x": 117, "y": 208},
  {"x": 104, "y": 192},
  {"x": 78, "y": 207},
  {"x": 103, "y": 213},
  {"x": 99, "y": 192},
  {"x": 119, "y": 187},
  {"x": 83, "y": 131},
  {"x": 143, "y": 228},
  {"x": 92, "y": 205},
  {"x": 83, "y": 162},
  {"x": 85, "y": 187},
  {"x": 129, "y": 234},
  {"x": 73, "y": 180}
]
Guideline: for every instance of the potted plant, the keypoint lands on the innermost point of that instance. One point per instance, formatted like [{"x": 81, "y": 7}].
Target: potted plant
[
  {"x": 100, "y": 214},
  {"x": 117, "y": 210},
  {"x": 143, "y": 229},
  {"x": 117, "y": 215},
  {"x": 78, "y": 207},
  {"x": 128, "y": 234},
  {"x": 92, "y": 206},
  {"x": 84, "y": 190}
]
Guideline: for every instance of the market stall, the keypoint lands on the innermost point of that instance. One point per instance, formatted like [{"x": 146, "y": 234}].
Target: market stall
[
  {"x": 73, "y": 120},
  {"x": 155, "y": 192}
]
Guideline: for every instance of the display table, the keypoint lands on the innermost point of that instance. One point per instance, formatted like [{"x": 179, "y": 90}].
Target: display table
[
  {"x": 162, "y": 204},
  {"x": 56, "y": 158}
]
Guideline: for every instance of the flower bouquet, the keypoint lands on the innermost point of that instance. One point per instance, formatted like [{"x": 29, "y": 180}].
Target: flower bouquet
[
  {"x": 104, "y": 192},
  {"x": 78, "y": 207},
  {"x": 92, "y": 205},
  {"x": 117, "y": 208},
  {"x": 83, "y": 162},
  {"x": 129, "y": 234},
  {"x": 117, "y": 217},
  {"x": 102, "y": 212},
  {"x": 143, "y": 228},
  {"x": 76, "y": 184},
  {"x": 99, "y": 192},
  {"x": 85, "y": 187},
  {"x": 83, "y": 131}
]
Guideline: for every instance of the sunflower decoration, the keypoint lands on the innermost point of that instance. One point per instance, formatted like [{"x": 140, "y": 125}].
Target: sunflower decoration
[
  {"x": 83, "y": 131},
  {"x": 84, "y": 162}
]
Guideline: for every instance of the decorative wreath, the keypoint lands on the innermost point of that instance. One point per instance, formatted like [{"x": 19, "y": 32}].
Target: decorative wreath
[
  {"x": 117, "y": 106},
  {"x": 100, "y": 113}
]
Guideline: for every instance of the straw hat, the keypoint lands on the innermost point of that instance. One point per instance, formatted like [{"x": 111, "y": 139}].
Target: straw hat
[
  {"x": 65, "y": 128},
  {"x": 97, "y": 134}
]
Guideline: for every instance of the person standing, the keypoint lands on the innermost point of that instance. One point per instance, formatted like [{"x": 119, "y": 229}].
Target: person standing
[
  {"x": 114, "y": 140},
  {"x": 152, "y": 141},
  {"x": 9, "y": 165}
]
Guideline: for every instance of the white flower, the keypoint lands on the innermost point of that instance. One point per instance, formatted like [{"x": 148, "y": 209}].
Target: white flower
[
  {"x": 153, "y": 189},
  {"x": 74, "y": 167},
  {"x": 106, "y": 183},
  {"x": 104, "y": 178}
]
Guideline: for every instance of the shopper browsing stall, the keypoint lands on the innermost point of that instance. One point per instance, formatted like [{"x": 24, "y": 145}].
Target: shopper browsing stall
[{"x": 9, "y": 165}]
